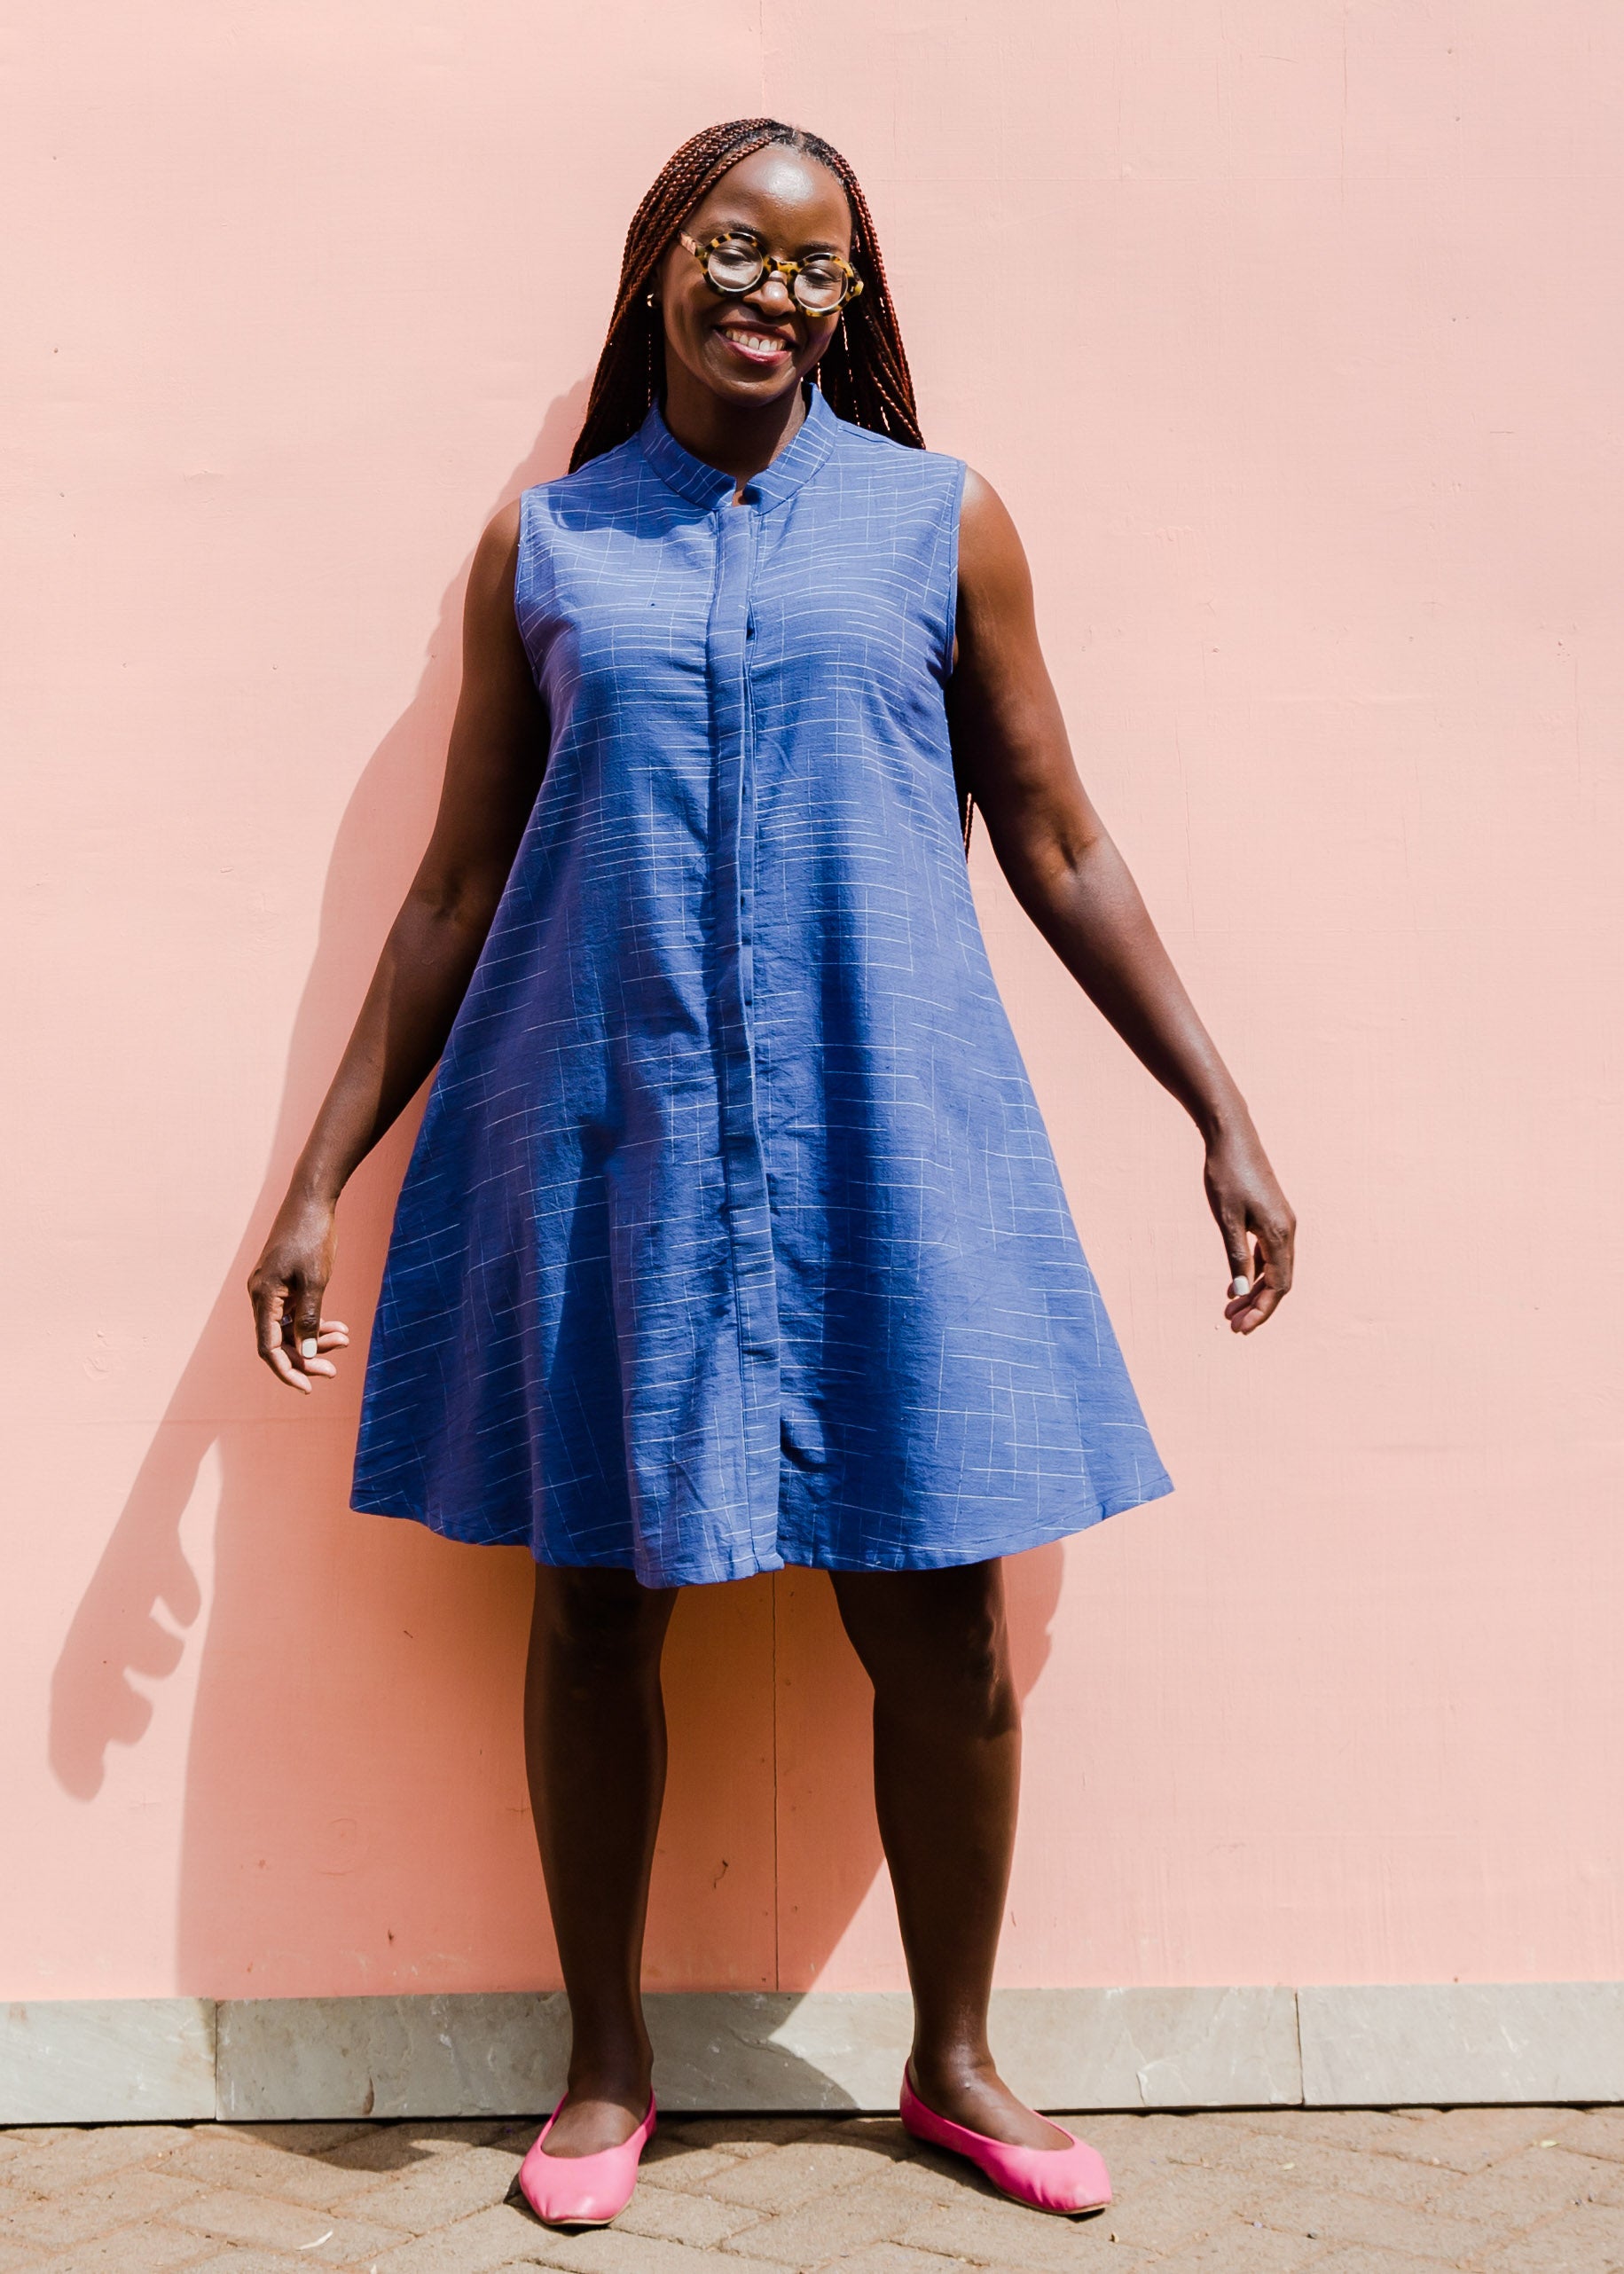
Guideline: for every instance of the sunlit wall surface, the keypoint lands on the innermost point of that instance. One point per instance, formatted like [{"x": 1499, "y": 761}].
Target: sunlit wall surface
[{"x": 1290, "y": 334}]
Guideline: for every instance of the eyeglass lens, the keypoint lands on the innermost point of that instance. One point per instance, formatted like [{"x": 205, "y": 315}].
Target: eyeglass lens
[{"x": 736, "y": 265}]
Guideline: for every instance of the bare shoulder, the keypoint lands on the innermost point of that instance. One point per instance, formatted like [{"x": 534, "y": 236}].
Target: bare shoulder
[
  {"x": 492, "y": 648},
  {"x": 495, "y": 559},
  {"x": 992, "y": 558},
  {"x": 496, "y": 553}
]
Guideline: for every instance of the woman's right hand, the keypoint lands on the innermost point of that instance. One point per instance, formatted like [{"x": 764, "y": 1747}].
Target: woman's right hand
[
  {"x": 493, "y": 770},
  {"x": 285, "y": 1286}
]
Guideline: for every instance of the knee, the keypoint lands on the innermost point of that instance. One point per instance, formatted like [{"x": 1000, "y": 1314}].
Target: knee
[
  {"x": 598, "y": 1624},
  {"x": 956, "y": 1676},
  {"x": 978, "y": 1673}
]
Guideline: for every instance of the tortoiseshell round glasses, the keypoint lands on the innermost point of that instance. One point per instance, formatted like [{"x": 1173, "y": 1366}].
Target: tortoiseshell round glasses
[{"x": 734, "y": 264}]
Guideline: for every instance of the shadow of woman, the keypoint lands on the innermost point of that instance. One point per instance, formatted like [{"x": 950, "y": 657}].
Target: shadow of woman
[{"x": 355, "y": 1816}]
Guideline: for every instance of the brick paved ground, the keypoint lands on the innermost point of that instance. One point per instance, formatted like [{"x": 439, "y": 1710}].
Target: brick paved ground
[{"x": 1499, "y": 2191}]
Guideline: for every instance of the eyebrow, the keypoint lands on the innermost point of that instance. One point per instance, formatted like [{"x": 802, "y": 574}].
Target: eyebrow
[{"x": 745, "y": 229}]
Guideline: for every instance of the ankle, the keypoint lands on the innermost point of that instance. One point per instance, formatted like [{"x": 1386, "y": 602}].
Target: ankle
[
  {"x": 600, "y": 2076},
  {"x": 948, "y": 2070},
  {"x": 616, "y": 2068}
]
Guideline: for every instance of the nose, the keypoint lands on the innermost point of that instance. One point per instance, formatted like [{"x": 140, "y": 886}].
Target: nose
[{"x": 773, "y": 295}]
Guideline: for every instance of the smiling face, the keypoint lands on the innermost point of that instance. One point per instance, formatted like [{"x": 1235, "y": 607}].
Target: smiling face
[{"x": 751, "y": 352}]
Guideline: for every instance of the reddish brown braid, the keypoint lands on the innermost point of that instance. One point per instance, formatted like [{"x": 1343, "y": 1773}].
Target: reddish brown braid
[{"x": 864, "y": 372}]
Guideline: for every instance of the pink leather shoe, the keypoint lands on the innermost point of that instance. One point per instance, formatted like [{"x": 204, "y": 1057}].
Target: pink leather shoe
[
  {"x": 1049, "y": 2179},
  {"x": 582, "y": 2190}
]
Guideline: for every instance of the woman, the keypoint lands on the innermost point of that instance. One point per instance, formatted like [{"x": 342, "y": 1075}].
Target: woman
[{"x": 731, "y": 1237}]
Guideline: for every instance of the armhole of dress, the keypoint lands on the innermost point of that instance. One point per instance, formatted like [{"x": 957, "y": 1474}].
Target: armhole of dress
[
  {"x": 523, "y": 553},
  {"x": 956, "y": 508},
  {"x": 524, "y": 524},
  {"x": 955, "y": 505}
]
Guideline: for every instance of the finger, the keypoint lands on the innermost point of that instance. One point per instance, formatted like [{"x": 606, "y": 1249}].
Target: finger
[
  {"x": 1281, "y": 1259},
  {"x": 271, "y": 1303},
  {"x": 1266, "y": 1301},
  {"x": 268, "y": 1297},
  {"x": 1247, "y": 1276},
  {"x": 274, "y": 1349},
  {"x": 282, "y": 1366},
  {"x": 1247, "y": 1313},
  {"x": 1275, "y": 1243},
  {"x": 1241, "y": 1271},
  {"x": 307, "y": 1327},
  {"x": 332, "y": 1331}
]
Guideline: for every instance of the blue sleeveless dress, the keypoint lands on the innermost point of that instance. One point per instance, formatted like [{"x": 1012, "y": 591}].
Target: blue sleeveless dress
[{"x": 731, "y": 1237}]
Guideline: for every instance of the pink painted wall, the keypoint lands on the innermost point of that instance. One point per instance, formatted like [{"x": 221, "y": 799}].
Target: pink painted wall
[{"x": 1290, "y": 330}]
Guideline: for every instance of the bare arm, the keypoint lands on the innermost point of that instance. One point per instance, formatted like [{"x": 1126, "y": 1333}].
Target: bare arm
[
  {"x": 1011, "y": 750},
  {"x": 494, "y": 765}
]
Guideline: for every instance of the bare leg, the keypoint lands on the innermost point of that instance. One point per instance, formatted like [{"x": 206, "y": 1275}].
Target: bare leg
[
  {"x": 946, "y": 1778},
  {"x": 594, "y": 1742}
]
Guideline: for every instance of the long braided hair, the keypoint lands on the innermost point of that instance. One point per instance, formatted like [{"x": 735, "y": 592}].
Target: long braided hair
[{"x": 864, "y": 371}]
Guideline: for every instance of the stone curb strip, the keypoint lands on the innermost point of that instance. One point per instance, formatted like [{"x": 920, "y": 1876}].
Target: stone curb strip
[{"x": 502, "y": 2053}]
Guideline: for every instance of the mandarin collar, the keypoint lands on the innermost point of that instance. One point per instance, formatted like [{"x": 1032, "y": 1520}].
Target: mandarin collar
[{"x": 703, "y": 485}]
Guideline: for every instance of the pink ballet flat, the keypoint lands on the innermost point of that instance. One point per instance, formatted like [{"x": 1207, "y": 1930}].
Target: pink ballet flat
[
  {"x": 582, "y": 2190},
  {"x": 1049, "y": 2179}
]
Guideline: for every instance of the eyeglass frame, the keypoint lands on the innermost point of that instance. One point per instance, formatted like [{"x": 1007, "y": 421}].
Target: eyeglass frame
[{"x": 770, "y": 267}]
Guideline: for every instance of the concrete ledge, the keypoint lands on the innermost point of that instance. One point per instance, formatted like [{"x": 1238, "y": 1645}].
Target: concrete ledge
[
  {"x": 495, "y": 2054},
  {"x": 107, "y": 2060},
  {"x": 501, "y": 2056},
  {"x": 1457, "y": 2042},
  {"x": 502, "y": 2053},
  {"x": 1150, "y": 2048}
]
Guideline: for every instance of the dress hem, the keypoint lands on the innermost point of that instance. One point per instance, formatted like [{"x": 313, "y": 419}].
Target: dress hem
[{"x": 690, "y": 1576}]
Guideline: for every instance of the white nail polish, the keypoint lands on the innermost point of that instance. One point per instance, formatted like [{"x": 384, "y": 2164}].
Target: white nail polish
[
  {"x": 1240, "y": 1284},
  {"x": 306, "y": 1349}
]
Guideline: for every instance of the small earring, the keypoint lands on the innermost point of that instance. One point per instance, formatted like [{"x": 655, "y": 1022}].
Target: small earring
[{"x": 651, "y": 302}]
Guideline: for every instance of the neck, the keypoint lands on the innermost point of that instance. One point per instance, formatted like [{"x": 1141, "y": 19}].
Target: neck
[{"x": 736, "y": 441}]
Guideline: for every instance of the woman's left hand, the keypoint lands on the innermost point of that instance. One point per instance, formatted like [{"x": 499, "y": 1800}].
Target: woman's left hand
[{"x": 1255, "y": 1217}]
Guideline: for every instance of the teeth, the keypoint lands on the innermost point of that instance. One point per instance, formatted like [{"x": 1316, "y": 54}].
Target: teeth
[{"x": 758, "y": 343}]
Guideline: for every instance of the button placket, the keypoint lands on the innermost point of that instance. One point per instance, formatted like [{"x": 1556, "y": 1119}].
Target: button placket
[{"x": 748, "y": 1219}]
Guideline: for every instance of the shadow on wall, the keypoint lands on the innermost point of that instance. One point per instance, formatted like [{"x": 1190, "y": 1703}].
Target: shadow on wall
[{"x": 356, "y": 1817}]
